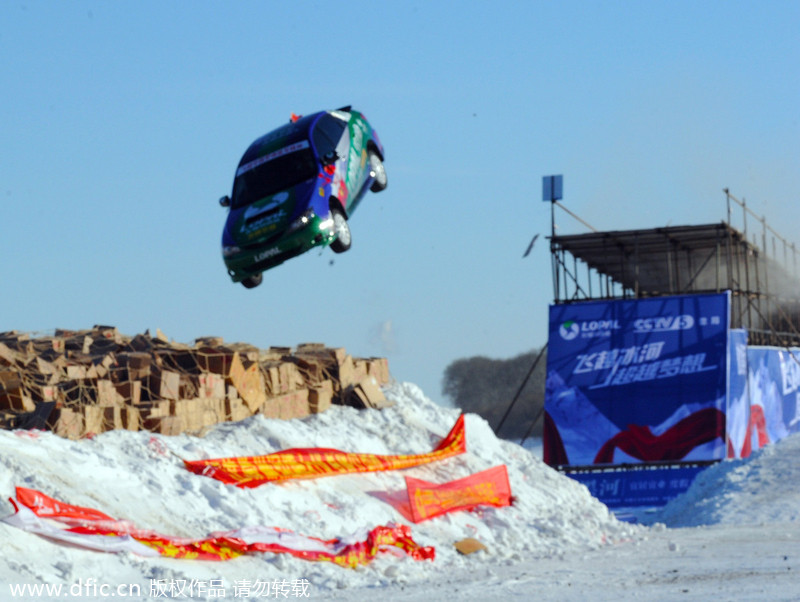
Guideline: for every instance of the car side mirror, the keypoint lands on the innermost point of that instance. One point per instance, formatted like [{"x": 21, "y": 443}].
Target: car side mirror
[
  {"x": 330, "y": 157},
  {"x": 225, "y": 201}
]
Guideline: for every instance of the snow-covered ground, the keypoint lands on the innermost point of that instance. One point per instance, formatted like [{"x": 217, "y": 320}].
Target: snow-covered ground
[{"x": 734, "y": 536}]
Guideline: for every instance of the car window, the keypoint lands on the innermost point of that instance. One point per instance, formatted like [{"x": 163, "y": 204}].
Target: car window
[
  {"x": 272, "y": 176},
  {"x": 327, "y": 133}
]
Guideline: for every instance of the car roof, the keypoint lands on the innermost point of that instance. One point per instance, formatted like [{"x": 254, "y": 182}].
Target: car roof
[
  {"x": 282, "y": 136},
  {"x": 287, "y": 134}
]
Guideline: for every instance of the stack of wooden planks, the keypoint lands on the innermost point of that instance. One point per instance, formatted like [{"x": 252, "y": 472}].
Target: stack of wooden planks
[{"x": 84, "y": 382}]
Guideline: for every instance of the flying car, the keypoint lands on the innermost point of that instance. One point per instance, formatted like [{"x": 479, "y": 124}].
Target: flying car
[{"x": 296, "y": 187}]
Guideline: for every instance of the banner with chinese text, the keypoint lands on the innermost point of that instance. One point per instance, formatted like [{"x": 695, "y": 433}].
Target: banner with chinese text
[
  {"x": 309, "y": 463},
  {"x": 637, "y": 381},
  {"x": 627, "y": 487},
  {"x": 486, "y": 488}
]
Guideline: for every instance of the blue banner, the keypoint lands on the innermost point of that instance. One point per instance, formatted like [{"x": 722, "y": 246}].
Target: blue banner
[
  {"x": 770, "y": 408},
  {"x": 651, "y": 487},
  {"x": 633, "y": 381},
  {"x": 737, "y": 415}
]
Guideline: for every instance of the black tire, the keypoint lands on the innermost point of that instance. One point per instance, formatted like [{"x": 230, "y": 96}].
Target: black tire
[
  {"x": 378, "y": 172},
  {"x": 343, "y": 239},
  {"x": 253, "y": 281}
]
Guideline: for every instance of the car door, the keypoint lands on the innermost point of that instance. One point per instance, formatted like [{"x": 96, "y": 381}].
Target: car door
[{"x": 331, "y": 135}]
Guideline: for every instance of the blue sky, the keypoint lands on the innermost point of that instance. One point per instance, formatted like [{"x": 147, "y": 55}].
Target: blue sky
[{"x": 122, "y": 124}]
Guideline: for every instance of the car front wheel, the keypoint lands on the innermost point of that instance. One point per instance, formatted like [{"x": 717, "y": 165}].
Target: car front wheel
[
  {"x": 378, "y": 172},
  {"x": 342, "y": 230},
  {"x": 253, "y": 281}
]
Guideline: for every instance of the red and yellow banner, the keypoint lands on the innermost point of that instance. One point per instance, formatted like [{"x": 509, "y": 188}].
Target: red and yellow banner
[
  {"x": 422, "y": 500},
  {"x": 487, "y": 488},
  {"x": 89, "y": 528},
  {"x": 309, "y": 463}
]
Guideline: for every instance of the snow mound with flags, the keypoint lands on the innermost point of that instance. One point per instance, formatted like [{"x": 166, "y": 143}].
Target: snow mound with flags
[{"x": 140, "y": 482}]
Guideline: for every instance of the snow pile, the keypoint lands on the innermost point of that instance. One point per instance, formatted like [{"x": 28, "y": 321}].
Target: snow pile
[
  {"x": 759, "y": 489},
  {"x": 140, "y": 477}
]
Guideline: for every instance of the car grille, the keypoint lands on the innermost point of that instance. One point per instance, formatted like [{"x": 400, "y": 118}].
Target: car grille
[{"x": 263, "y": 244}]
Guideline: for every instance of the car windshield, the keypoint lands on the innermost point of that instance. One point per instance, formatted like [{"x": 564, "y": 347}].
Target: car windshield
[{"x": 271, "y": 174}]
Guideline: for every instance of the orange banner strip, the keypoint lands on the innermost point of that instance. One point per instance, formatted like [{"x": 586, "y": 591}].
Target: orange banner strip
[
  {"x": 487, "y": 488},
  {"x": 310, "y": 463}
]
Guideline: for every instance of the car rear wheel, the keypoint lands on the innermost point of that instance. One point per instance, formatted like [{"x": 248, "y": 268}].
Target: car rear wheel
[
  {"x": 377, "y": 171},
  {"x": 253, "y": 281},
  {"x": 343, "y": 239}
]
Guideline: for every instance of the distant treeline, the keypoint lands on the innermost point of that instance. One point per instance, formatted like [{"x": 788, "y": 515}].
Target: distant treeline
[{"x": 487, "y": 387}]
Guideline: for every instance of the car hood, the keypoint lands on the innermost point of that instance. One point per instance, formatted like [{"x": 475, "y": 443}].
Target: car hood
[{"x": 267, "y": 218}]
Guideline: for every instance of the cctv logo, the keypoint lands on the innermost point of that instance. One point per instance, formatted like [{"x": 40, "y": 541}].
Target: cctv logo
[{"x": 664, "y": 323}]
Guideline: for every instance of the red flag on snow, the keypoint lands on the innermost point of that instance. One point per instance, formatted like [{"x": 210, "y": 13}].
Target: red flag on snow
[{"x": 91, "y": 529}]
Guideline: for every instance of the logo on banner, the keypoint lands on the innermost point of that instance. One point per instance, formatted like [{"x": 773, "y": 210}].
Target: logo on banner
[
  {"x": 588, "y": 329},
  {"x": 569, "y": 330},
  {"x": 664, "y": 323}
]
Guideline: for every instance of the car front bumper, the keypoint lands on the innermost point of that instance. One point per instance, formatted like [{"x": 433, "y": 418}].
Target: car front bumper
[{"x": 254, "y": 259}]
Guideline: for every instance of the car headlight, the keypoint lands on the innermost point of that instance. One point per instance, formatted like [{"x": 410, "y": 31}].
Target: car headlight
[
  {"x": 230, "y": 251},
  {"x": 301, "y": 221}
]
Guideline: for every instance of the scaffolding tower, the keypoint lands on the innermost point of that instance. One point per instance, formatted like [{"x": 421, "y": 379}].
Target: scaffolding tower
[{"x": 762, "y": 275}]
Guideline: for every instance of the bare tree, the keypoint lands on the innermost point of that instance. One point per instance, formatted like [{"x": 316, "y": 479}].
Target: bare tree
[{"x": 487, "y": 387}]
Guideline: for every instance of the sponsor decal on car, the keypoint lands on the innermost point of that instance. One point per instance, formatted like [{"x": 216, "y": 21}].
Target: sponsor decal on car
[
  {"x": 256, "y": 210},
  {"x": 359, "y": 130},
  {"x": 266, "y": 254},
  {"x": 265, "y": 224},
  {"x": 342, "y": 193}
]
